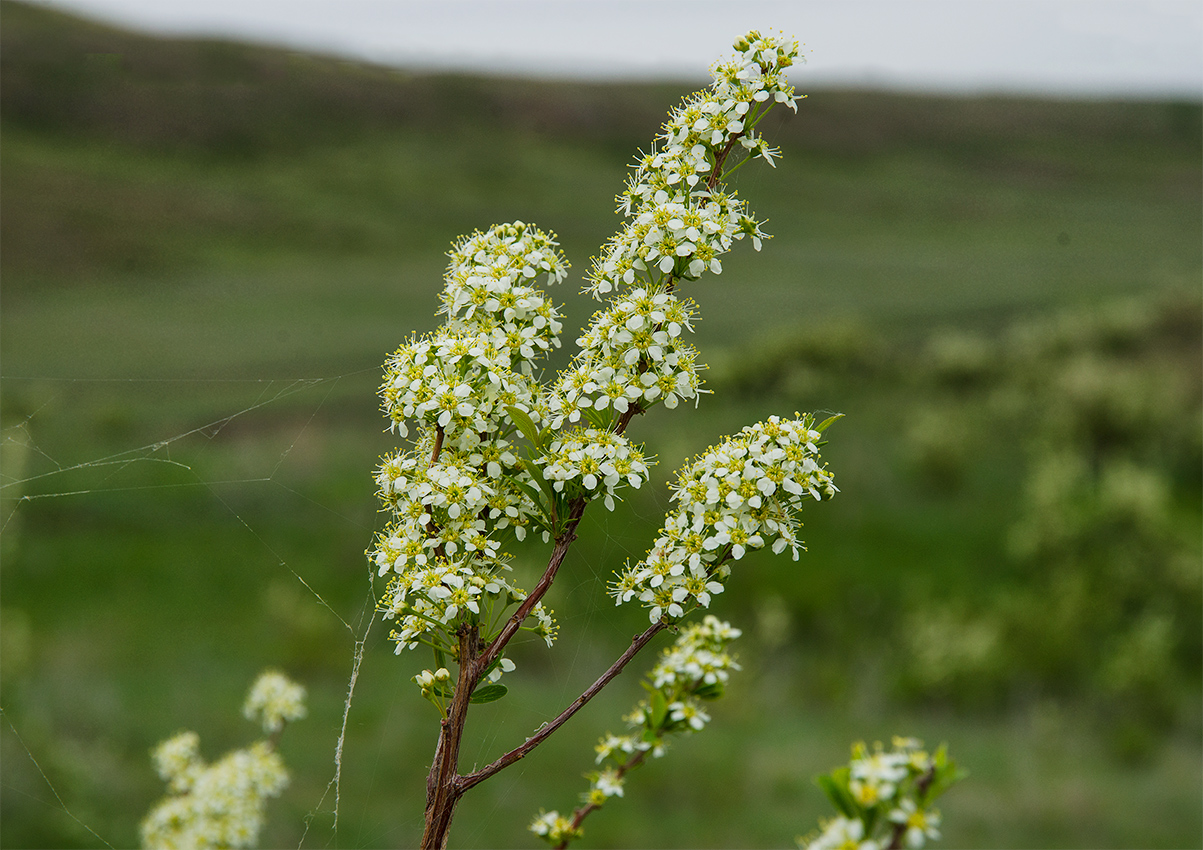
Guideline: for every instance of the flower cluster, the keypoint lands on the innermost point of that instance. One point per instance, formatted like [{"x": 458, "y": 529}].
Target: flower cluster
[
  {"x": 680, "y": 221},
  {"x": 632, "y": 354},
  {"x": 554, "y": 828},
  {"x": 222, "y": 804},
  {"x": 274, "y": 699},
  {"x": 459, "y": 383},
  {"x": 884, "y": 798},
  {"x": 698, "y": 660},
  {"x": 461, "y": 490},
  {"x": 497, "y": 455},
  {"x": 693, "y": 670},
  {"x": 488, "y": 291},
  {"x": 426, "y": 600},
  {"x": 739, "y": 496},
  {"x": 439, "y": 507},
  {"x": 595, "y": 461}
]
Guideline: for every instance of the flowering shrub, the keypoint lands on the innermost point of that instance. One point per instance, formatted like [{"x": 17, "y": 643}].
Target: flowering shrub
[{"x": 496, "y": 454}]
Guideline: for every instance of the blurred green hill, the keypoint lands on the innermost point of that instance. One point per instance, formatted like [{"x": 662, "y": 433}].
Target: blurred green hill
[{"x": 210, "y": 247}]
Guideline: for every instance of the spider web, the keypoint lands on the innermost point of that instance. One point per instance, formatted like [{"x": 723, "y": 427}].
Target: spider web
[{"x": 42, "y": 471}]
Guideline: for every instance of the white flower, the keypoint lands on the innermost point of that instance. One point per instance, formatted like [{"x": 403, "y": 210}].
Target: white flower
[
  {"x": 609, "y": 783},
  {"x": 553, "y": 827},
  {"x": 843, "y": 833},
  {"x": 690, "y": 713},
  {"x": 875, "y": 777},
  {"x": 921, "y": 824}
]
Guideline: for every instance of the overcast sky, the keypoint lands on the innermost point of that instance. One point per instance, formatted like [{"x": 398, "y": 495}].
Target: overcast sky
[{"x": 1085, "y": 47}]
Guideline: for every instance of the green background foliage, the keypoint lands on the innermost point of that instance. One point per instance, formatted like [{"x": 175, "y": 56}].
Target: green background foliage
[{"x": 209, "y": 248}]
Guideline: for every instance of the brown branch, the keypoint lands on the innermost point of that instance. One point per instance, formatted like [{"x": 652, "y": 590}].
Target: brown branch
[
  {"x": 716, "y": 173},
  {"x": 442, "y": 788},
  {"x": 438, "y": 446},
  {"x": 563, "y": 543},
  {"x": 637, "y": 643},
  {"x": 631, "y": 412}
]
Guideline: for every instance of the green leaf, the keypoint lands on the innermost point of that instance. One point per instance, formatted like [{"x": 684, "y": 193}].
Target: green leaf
[
  {"x": 823, "y": 425},
  {"x": 599, "y": 420},
  {"x": 525, "y": 425},
  {"x": 659, "y": 709},
  {"x": 946, "y": 775},
  {"x": 535, "y": 499},
  {"x": 536, "y": 474},
  {"x": 488, "y": 693},
  {"x": 835, "y": 786}
]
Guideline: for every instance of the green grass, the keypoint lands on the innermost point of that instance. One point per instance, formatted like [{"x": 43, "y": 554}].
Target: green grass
[{"x": 209, "y": 250}]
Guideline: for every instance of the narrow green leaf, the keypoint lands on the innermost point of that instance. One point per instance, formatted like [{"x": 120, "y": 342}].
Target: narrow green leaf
[
  {"x": 598, "y": 419},
  {"x": 535, "y": 499},
  {"x": 488, "y": 693},
  {"x": 659, "y": 709},
  {"x": 835, "y": 786},
  {"x": 525, "y": 425},
  {"x": 536, "y": 474},
  {"x": 823, "y": 425}
]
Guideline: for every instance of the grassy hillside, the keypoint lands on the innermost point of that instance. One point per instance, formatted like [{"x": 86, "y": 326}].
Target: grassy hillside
[{"x": 208, "y": 249}]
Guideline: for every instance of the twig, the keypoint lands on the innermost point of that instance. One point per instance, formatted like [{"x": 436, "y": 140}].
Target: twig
[
  {"x": 582, "y": 812},
  {"x": 637, "y": 643}
]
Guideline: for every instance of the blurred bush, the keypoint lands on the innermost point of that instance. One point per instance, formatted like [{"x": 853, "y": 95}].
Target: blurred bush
[{"x": 1097, "y": 579}]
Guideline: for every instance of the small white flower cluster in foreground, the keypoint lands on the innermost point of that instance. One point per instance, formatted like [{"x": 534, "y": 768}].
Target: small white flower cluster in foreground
[
  {"x": 693, "y": 670},
  {"x": 742, "y": 494},
  {"x": 884, "y": 798},
  {"x": 222, "y": 804}
]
